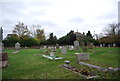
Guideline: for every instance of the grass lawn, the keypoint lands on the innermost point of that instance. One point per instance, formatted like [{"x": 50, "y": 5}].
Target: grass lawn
[{"x": 25, "y": 65}]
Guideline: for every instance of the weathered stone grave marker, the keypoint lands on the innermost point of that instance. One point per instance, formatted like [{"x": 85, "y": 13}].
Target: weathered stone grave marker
[
  {"x": 76, "y": 45},
  {"x": 60, "y": 47},
  {"x": 101, "y": 45},
  {"x": 17, "y": 46},
  {"x": 51, "y": 54},
  {"x": 81, "y": 56},
  {"x": 90, "y": 45},
  {"x": 64, "y": 50},
  {"x": 70, "y": 47},
  {"x": 57, "y": 46}
]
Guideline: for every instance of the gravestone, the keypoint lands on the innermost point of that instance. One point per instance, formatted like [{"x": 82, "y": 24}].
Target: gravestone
[
  {"x": 60, "y": 47},
  {"x": 17, "y": 46},
  {"x": 90, "y": 45},
  {"x": 81, "y": 56},
  {"x": 70, "y": 47},
  {"x": 109, "y": 45},
  {"x": 57, "y": 46},
  {"x": 101, "y": 45},
  {"x": 82, "y": 43},
  {"x": 64, "y": 50},
  {"x": 44, "y": 47},
  {"x": 76, "y": 45},
  {"x": 51, "y": 54},
  {"x": 114, "y": 45},
  {"x": 53, "y": 49}
]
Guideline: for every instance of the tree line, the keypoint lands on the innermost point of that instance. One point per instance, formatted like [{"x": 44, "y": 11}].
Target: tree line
[{"x": 36, "y": 36}]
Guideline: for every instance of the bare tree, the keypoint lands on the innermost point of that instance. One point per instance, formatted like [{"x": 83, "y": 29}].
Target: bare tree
[
  {"x": 37, "y": 32},
  {"x": 112, "y": 29},
  {"x": 113, "y": 32}
]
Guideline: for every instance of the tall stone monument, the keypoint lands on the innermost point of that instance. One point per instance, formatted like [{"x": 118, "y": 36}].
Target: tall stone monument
[
  {"x": 76, "y": 45},
  {"x": 17, "y": 46},
  {"x": 3, "y": 56},
  {"x": 90, "y": 45}
]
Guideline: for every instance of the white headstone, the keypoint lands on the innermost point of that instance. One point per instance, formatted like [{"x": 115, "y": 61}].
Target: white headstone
[
  {"x": 114, "y": 45},
  {"x": 52, "y": 54},
  {"x": 44, "y": 47},
  {"x": 76, "y": 45},
  {"x": 17, "y": 46},
  {"x": 71, "y": 48},
  {"x": 64, "y": 50},
  {"x": 108, "y": 45},
  {"x": 60, "y": 47},
  {"x": 103, "y": 45},
  {"x": 100, "y": 45}
]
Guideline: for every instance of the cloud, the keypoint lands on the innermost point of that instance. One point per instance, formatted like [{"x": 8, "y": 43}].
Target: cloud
[
  {"x": 77, "y": 20},
  {"x": 58, "y": 16}
]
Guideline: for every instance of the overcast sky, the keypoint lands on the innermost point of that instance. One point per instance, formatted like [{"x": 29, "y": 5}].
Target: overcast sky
[{"x": 59, "y": 16}]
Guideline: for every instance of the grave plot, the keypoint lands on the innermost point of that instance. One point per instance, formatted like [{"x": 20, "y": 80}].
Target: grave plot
[
  {"x": 109, "y": 69},
  {"x": 82, "y": 72}
]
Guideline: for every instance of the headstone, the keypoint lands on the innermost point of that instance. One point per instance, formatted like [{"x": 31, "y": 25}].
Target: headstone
[
  {"x": 71, "y": 48},
  {"x": 82, "y": 43},
  {"x": 53, "y": 49},
  {"x": 81, "y": 56},
  {"x": 51, "y": 54},
  {"x": 76, "y": 45},
  {"x": 64, "y": 50},
  {"x": 17, "y": 46},
  {"x": 57, "y": 46},
  {"x": 60, "y": 47},
  {"x": 101, "y": 45},
  {"x": 114, "y": 45},
  {"x": 44, "y": 47},
  {"x": 26, "y": 47},
  {"x": 109, "y": 45},
  {"x": 90, "y": 45}
]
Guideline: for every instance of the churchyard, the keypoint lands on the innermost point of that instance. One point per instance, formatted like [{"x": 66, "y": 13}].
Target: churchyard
[{"x": 29, "y": 63}]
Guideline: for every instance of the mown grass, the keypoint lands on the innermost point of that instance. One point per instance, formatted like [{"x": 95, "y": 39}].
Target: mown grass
[{"x": 25, "y": 65}]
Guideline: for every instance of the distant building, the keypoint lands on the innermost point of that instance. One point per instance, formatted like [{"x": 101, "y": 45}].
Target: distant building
[{"x": 12, "y": 35}]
